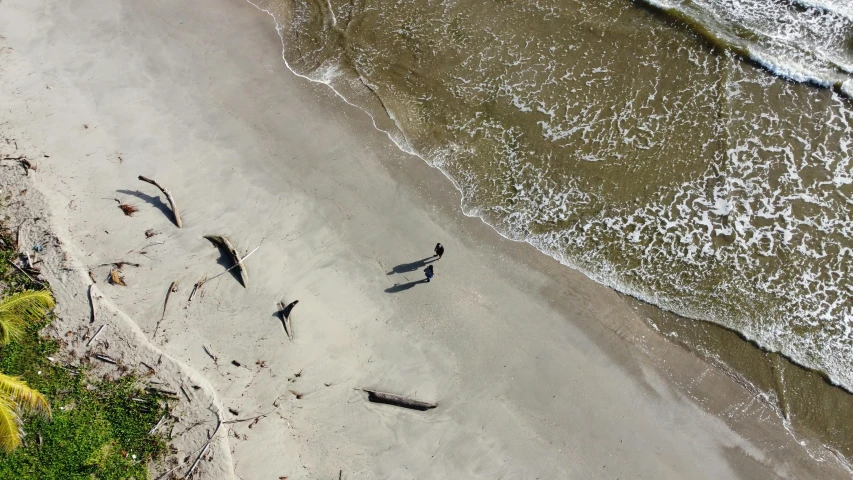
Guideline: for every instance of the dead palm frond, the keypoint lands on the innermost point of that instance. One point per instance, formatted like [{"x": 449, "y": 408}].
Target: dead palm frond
[
  {"x": 10, "y": 425},
  {"x": 17, "y": 310}
]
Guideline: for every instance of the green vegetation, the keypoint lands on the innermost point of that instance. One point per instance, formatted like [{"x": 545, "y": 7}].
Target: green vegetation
[{"x": 98, "y": 429}]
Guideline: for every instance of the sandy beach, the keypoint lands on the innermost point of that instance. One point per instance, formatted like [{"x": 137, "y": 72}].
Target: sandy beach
[{"x": 538, "y": 372}]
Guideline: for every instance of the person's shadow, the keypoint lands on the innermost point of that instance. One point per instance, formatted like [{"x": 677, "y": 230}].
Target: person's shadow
[
  {"x": 403, "y": 286},
  {"x": 411, "y": 267}
]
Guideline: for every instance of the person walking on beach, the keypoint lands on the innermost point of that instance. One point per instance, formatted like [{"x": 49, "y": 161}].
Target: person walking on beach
[
  {"x": 439, "y": 250},
  {"x": 429, "y": 273}
]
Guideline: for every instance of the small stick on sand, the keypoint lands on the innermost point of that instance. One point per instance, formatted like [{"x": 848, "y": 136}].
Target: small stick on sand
[
  {"x": 235, "y": 257},
  {"x": 157, "y": 426},
  {"x": 197, "y": 285},
  {"x": 95, "y": 335},
  {"x": 285, "y": 320},
  {"x": 398, "y": 400},
  {"x": 172, "y": 289},
  {"x": 92, "y": 303},
  {"x": 189, "y": 473},
  {"x": 105, "y": 358},
  {"x": 184, "y": 391},
  {"x": 215, "y": 360},
  {"x": 168, "y": 197},
  {"x": 149, "y": 367}
]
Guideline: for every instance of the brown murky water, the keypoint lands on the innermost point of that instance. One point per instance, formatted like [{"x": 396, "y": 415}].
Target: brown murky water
[{"x": 638, "y": 145}]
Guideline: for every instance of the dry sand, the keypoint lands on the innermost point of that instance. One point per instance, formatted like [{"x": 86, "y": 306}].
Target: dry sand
[{"x": 538, "y": 372}]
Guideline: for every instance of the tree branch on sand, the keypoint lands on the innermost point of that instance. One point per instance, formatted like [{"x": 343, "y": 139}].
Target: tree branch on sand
[{"x": 169, "y": 197}]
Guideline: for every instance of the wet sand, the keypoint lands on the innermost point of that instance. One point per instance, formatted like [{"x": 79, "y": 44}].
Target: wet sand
[{"x": 538, "y": 372}]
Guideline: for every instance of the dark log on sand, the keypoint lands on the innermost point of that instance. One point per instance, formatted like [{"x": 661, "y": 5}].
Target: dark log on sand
[
  {"x": 171, "y": 200},
  {"x": 398, "y": 400},
  {"x": 238, "y": 261}
]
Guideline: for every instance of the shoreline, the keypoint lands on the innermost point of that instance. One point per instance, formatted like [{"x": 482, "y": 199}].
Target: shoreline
[{"x": 332, "y": 221}]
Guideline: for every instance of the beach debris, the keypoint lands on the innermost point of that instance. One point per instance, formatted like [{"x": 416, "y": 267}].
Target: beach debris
[
  {"x": 105, "y": 358},
  {"x": 236, "y": 363},
  {"x": 116, "y": 279},
  {"x": 23, "y": 162},
  {"x": 119, "y": 264},
  {"x": 149, "y": 367},
  {"x": 169, "y": 197},
  {"x": 127, "y": 208},
  {"x": 296, "y": 394},
  {"x": 25, "y": 273},
  {"x": 151, "y": 432},
  {"x": 95, "y": 335},
  {"x": 150, "y": 233},
  {"x": 223, "y": 242},
  {"x": 398, "y": 400},
  {"x": 172, "y": 289},
  {"x": 284, "y": 311},
  {"x": 233, "y": 412},
  {"x": 196, "y": 287},
  {"x": 92, "y": 276},
  {"x": 164, "y": 391},
  {"x": 92, "y": 303},
  {"x": 184, "y": 391},
  {"x": 211, "y": 355}
]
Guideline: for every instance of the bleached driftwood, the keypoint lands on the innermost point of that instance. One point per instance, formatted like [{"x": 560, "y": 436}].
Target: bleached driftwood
[
  {"x": 95, "y": 335},
  {"x": 169, "y": 197},
  {"x": 235, "y": 257},
  {"x": 398, "y": 400},
  {"x": 285, "y": 319}
]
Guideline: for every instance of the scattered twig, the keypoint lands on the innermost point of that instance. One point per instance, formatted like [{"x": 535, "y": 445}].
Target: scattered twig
[
  {"x": 240, "y": 420},
  {"x": 189, "y": 473},
  {"x": 149, "y": 367},
  {"x": 211, "y": 355},
  {"x": 92, "y": 303},
  {"x": 105, "y": 358},
  {"x": 171, "y": 393},
  {"x": 398, "y": 400},
  {"x": 168, "y": 197},
  {"x": 25, "y": 273},
  {"x": 157, "y": 426},
  {"x": 184, "y": 391},
  {"x": 92, "y": 276},
  {"x": 95, "y": 335},
  {"x": 172, "y": 289},
  {"x": 197, "y": 286},
  {"x": 119, "y": 265},
  {"x": 235, "y": 257}
]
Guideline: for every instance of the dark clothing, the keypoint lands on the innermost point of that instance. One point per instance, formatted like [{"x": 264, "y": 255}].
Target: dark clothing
[
  {"x": 429, "y": 273},
  {"x": 439, "y": 250}
]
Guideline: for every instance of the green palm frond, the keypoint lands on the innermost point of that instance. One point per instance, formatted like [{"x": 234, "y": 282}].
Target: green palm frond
[
  {"x": 10, "y": 425},
  {"x": 17, "y": 391},
  {"x": 21, "y": 308},
  {"x": 11, "y": 327}
]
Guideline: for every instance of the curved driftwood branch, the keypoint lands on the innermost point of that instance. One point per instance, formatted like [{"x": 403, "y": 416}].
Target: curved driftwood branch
[
  {"x": 168, "y": 195},
  {"x": 398, "y": 400},
  {"x": 285, "y": 319},
  {"x": 238, "y": 261}
]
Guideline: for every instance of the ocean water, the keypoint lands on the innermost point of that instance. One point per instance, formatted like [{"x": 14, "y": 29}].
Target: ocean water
[{"x": 695, "y": 154}]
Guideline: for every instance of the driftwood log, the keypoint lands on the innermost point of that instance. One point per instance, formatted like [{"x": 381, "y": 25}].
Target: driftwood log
[
  {"x": 398, "y": 400},
  {"x": 238, "y": 261},
  {"x": 169, "y": 197}
]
